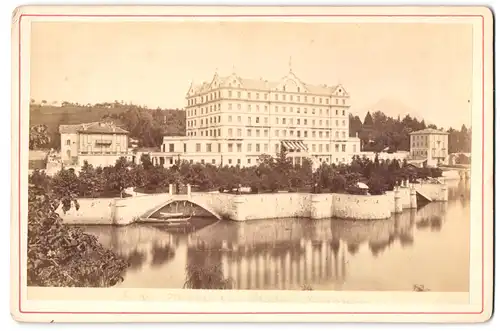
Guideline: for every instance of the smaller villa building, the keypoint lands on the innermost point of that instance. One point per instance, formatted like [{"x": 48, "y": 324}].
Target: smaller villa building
[
  {"x": 429, "y": 145},
  {"x": 101, "y": 144}
]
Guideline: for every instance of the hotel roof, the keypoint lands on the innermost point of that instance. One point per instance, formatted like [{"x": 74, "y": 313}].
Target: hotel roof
[
  {"x": 429, "y": 131},
  {"x": 236, "y": 81},
  {"x": 94, "y": 127}
]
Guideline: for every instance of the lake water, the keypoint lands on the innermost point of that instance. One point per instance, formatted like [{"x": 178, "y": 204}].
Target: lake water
[{"x": 427, "y": 247}]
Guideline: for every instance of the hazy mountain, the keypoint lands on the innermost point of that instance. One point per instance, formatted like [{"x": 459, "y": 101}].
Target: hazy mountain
[{"x": 390, "y": 107}]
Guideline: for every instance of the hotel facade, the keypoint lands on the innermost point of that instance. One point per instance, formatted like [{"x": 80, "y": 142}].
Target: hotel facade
[{"x": 233, "y": 121}]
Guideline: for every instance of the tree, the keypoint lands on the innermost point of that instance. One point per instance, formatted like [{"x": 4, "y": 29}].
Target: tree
[
  {"x": 92, "y": 181},
  {"x": 39, "y": 137},
  {"x": 59, "y": 255},
  {"x": 119, "y": 177}
]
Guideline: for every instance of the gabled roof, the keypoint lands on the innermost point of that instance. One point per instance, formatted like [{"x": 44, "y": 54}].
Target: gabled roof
[
  {"x": 264, "y": 85},
  {"x": 94, "y": 127},
  {"x": 429, "y": 131}
]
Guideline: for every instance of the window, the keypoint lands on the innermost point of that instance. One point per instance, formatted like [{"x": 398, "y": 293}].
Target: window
[
  {"x": 257, "y": 120},
  {"x": 277, "y": 120},
  {"x": 291, "y": 97},
  {"x": 314, "y": 134},
  {"x": 170, "y": 148},
  {"x": 298, "y": 110},
  {"x": 257, "y": 96},
  {"x": 249, "y": 161},
  {"x": 275, "y": 98},
  {"x": 320, "y": 122},
  {"x": 336, "y": 147},
  {"x": 327, "y": 101},
  {"x": 185, "y": 148},
  {"x": 343, "y": 112},
  {"x": 238, "y": 148},
  {"x": 249, "y": 120},
  {"x": 276, "y": 148},
  {"x": 314, "y": 147},
  {"x": 218, "y": 132},
  {"x": 276, "y": 108},
  {"x": 239, "y": 119},
  {"x": 283, "y": 121},
  {"x": 305, "y": 121},
  {"x": 238, "y": 161},
  {"x": 298, "y": 96},
  {"x": 198, "y": 147},
  {"x": 230, "y": 148},
  {"x": 68, "y": 142},
  {"x": 266, "y": 148},
  {"x": 327, "y": 122},
  {"x": 343, "y": 123},
  {"x": 343, "y": 147},
  {"x": 276, "y": 133},
  {"x": 239, "y": 132},
  {"x": 354, "y": 148},
  {"x": 336, "y": 111},
  {"x": 305, "y": 98},
  {"x": 257, "y": 148},
  {"x": 209, "y": 148},
  {"x": 249, "y": 147},
  {"x": 343, "y": 101},
  {"x": 305, "y": 134},
  {"x": 321, "y": 112},
  {"x": 257, "y": 133},
  {"x": 230, "y": 118},
  {"x": 291, "y": 109},
  {"x": 230, "y": 161},
  {"x": 320, "y": 146},
  {"x": 265, "y": 120},
  {"x": 283, "y": 109},
  {"x": 291, "y": 133},
  {"x": 230, "y": 132},
  {"x": 249, "y": 107},
  {"x": 336, "y": 134},
  {"x": 283, "y": 133},
  {"x": 249, "y": 132},
  {"x": 284, "y": 96},
  {"x": 321, "y": 134},
  {"x": 343, "y": 134},
  {"x": 218, "y": 148},
  {"x": 258, "y": 108},
  {"x": 298, "y": 134},
  {"x": 298, "y": 121},
  {"x": 239, "y": 106},
  {"x": 266, "y": 133},
  {"x": 213, "y": 161},
  {"x": 202, "y": 161},
  {"x": 336, "y": 122},
  {"x": 239, "y": 94},
  {"x": 327, "y": 133},
  {"x": 290, "y": 121},
  {"x": 327, "y": 148}
]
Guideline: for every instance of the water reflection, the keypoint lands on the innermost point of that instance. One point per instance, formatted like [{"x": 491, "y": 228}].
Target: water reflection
[{"x": 391, "y": 254}]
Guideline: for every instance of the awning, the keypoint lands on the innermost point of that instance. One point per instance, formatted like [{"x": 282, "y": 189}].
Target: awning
[
  {"x": 294, "y": 145},
  {"x": 103, "y": 142}
]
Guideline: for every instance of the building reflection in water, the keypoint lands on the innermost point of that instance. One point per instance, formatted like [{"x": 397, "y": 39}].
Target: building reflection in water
[{"x": 267, "y": 254}]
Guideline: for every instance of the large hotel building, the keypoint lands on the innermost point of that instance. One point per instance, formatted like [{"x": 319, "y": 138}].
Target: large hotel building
[{"x": 233, "y": 121}]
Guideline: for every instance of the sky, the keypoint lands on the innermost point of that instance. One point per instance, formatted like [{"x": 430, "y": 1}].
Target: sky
[{"x": 423, "y": 68}]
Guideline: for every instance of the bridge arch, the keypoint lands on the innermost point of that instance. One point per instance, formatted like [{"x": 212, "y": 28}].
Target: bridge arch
[{"x": 182, "y": 202}]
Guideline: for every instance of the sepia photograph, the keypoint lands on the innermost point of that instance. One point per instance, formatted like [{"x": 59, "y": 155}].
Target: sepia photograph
[{"x": 252, "y": 157}]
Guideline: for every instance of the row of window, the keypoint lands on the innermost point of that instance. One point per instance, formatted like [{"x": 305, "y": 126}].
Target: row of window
[
  {"x": 258, "y": 108},
  {"x": 265, "y": 133},
  {"x": 263, "y": 148},
  {"x": 291, "y": 121},
  {"x": 264, "y": 96},
  {"x": 257, "y": 160}
]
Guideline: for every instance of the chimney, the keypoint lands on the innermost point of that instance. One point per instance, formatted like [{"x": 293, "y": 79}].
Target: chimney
[{"x": 356, "y": 134}]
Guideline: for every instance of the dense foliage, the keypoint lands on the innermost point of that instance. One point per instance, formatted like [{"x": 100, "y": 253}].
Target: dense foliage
[
  {"x": 273, "y": 174},
  {"x": 59, "y": 255},
  {"x": 379, "y": 131}
]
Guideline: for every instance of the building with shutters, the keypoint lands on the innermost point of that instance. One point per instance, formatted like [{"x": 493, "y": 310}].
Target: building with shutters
[
  {"x": 430, "y": 146},
  {"x": 98, "y": 143},
  {"x": 233, "y": 120}
]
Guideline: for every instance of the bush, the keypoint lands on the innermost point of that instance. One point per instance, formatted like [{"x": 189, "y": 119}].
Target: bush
[
  {"x": 376, "y": 185},
  {"x": 63, "y": 256},
  {"x": 338, "y": 184}
]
